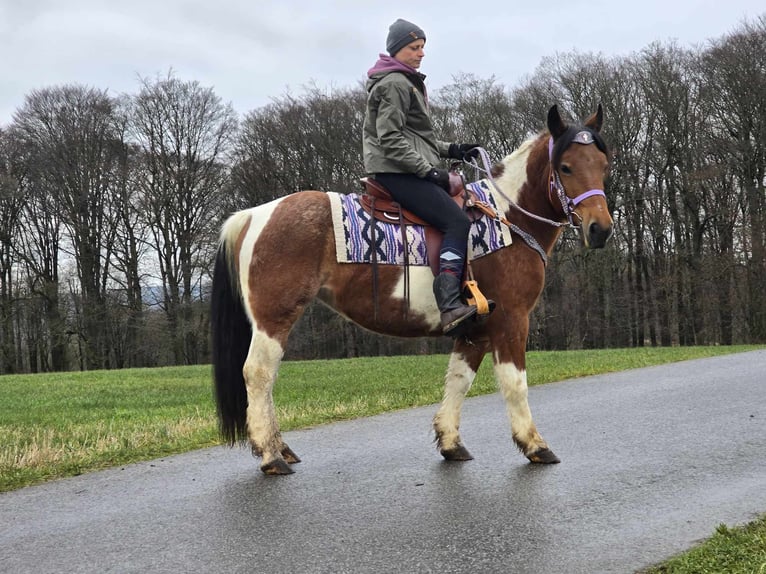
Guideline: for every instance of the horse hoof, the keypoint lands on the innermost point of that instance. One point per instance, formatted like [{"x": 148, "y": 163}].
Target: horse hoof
[
  {"x": 543, "y": 456},
  {"x": 276, "y": 467},
  {"x": 289, "y": 456},
  {"x": 458, "y": 453}
]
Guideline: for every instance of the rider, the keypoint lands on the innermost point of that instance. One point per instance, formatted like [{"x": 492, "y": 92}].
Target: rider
[{"x": 401, "y": 152}]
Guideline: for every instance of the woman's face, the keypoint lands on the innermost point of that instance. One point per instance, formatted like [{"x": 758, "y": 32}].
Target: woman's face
[{"x": 411, "y": 54}]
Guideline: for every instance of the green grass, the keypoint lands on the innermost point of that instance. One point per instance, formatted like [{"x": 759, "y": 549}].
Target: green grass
[
  {"x": 64, "y": 424},
  {"x": 730, "y": 551}
]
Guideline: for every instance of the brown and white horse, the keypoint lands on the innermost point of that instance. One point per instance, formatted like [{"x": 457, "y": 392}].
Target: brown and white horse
[{"x": 274, "y": 259}]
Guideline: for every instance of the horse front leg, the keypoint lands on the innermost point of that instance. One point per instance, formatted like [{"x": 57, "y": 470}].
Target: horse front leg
[
  {"x": 463, "y": 364},
  {"x": 260, "y": 372},
  {"x": 511, "y": 376}
]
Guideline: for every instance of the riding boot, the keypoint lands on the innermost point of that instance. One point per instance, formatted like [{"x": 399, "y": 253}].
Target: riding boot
[{"x": 454, "y": 313}]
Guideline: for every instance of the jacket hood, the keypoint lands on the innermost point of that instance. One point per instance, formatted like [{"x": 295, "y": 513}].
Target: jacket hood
[{"x": 386, "y": 65}]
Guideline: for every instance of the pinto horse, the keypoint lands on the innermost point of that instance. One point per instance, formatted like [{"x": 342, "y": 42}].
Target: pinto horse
[{"x": 274, "y": 259}]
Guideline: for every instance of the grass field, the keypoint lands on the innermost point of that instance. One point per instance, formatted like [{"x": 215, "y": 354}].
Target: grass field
[
  {"x": 728, "y": 551},
  {"x": 64, "y": 424}
]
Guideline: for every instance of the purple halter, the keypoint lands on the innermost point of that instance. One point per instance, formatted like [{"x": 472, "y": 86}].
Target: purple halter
[{"x": 568, "y": 204}]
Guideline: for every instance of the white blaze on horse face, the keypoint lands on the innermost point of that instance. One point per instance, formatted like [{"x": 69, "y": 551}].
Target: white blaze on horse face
[
  {"x": 514, "y": 174},
  {"x": 422, "y": 299}
]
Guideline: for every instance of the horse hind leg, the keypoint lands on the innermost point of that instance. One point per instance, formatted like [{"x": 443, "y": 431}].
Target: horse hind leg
[
  {"x": 463, "y": 364},
  {"x": 260, "y": 372}
]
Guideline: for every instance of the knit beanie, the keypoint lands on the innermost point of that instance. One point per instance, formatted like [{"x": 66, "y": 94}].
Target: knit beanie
[{"x": 401, "y": 33}]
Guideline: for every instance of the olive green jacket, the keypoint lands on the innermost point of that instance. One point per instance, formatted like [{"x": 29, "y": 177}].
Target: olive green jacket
[{"x": 398, "y": 134}]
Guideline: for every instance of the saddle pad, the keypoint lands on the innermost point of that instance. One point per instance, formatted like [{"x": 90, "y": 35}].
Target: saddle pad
[{"x": 351, "y": 226}]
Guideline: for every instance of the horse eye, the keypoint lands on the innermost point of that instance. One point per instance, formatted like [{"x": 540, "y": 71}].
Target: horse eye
[{"x": 566, "y": 170}]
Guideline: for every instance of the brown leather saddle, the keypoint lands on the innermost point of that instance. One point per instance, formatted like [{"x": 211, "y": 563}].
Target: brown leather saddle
[{"x": 377, "y": 202}]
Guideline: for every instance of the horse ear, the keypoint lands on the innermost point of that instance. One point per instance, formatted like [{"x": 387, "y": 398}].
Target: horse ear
[
  {"x": 555, "y": 124},
  {"x": 596, "y": 120}
]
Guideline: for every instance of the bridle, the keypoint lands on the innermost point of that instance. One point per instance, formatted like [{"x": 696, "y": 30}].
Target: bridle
[{"x": 568, "y": 204}]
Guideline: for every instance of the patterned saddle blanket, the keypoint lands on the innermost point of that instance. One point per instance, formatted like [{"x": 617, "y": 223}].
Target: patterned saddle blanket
[{"x": 353, "y": 243}]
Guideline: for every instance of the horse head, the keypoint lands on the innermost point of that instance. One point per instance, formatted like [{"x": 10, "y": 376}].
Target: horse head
[{"x": 579, "y": 162}]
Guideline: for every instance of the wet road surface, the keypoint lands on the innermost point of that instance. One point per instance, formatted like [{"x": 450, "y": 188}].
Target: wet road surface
[{"x": 652, "y": 461}]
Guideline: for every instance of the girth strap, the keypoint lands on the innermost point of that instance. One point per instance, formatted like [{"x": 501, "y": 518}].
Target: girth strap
[
  {"x": 374, "y": 261},
  {"x": 406, "y": 254}
]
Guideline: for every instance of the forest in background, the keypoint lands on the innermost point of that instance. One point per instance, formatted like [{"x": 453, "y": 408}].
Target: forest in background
[{"x": 110, "y": 206}]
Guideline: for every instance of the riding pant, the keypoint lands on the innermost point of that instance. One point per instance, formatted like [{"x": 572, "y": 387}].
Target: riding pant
[{"x": 432, "y": 204}]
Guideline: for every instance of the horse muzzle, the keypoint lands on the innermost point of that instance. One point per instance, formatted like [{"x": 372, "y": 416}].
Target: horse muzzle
[{"x": 597, "y": 235}]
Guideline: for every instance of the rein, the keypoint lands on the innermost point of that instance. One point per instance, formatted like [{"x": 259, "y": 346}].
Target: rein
[
  {"x": 568, "y": 205},
  {"x": 490, "y": 212},
  {"x": 487, "y": 170}
]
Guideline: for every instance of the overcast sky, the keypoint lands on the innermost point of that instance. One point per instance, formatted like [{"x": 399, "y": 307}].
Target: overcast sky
[{"x": 251, "y": 51}]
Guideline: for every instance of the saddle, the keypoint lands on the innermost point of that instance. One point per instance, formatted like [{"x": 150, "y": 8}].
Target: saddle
[{"x": 377, "y": 202}]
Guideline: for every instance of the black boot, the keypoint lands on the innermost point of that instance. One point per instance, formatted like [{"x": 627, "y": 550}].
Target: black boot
[{"x": 454, "y": 312}]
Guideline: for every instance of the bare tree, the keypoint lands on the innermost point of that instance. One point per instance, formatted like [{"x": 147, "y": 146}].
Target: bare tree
[
  {"x": 476, "y": 110},
  {"x": 293, "y": 144},
  {"x": 11, "y": 205},
  {"x": 70, "y": 134},
  {"x": 183, "y": 131},
  {"x": 735, "y": 86},
  {"x": 130, "y": 247}
]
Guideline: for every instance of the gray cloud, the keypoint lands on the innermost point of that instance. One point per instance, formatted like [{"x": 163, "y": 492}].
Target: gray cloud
[{"x": 252, "y": 51}]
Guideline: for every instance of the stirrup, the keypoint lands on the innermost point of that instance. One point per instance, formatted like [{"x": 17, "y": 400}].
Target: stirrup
[{"x": 477, "y": 298}]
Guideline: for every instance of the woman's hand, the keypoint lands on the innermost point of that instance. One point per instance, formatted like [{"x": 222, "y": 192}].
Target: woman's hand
[
  {"x": 464, "y": 152},
  {"x": 438, "y": 176}
]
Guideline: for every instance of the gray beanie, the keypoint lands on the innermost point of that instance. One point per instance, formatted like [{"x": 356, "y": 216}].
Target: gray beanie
[{"x": 401, "y": 33}]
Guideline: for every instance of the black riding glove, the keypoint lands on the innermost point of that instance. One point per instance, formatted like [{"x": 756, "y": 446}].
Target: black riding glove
[
  {"x": 464, "y": 152},
  {"x": 438, "y": 176}
]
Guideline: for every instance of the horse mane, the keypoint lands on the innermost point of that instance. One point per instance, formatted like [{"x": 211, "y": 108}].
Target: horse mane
[
  {"x": 507, "y": 171},
  {"x": 521, "y": 165}
]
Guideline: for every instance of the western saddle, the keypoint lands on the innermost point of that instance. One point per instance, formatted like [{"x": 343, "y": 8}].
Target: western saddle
[{"x": 377, "y": 202}]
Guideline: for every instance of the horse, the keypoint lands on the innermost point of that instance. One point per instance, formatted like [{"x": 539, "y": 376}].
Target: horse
[{"x": 275, "y": 258}]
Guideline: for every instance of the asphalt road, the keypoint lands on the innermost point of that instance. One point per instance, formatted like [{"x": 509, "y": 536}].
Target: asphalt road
[{"x": 652, "y": 461}]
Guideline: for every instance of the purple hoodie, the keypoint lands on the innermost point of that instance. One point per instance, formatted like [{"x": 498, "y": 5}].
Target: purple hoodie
[{"x": 386, "y": 64}]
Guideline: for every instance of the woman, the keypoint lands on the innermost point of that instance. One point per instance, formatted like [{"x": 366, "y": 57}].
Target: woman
[{"x": 401, "y": 152}]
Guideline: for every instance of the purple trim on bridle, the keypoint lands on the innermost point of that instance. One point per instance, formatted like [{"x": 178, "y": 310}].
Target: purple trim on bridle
[
  {"x": 569, "y": 204},
  {"x": 586, "y": 195}
]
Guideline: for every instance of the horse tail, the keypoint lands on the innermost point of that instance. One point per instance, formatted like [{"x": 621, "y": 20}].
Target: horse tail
[{"x": 231, "y": 332}]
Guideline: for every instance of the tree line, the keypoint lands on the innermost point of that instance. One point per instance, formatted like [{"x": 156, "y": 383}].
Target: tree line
[{"x": 110, "y": 206}]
